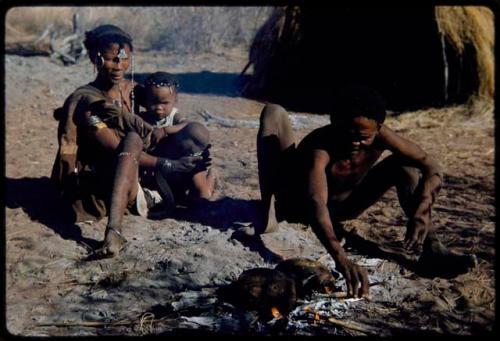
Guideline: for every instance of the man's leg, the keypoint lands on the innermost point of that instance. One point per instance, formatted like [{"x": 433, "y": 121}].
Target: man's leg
[
  {"x": 274, "y": 139},
  {"x": 125, "y": 187},
  {"x": 387, "y": 173},
  {"x": 435, "y": 258},
  {"x": 409, "y": 183}
]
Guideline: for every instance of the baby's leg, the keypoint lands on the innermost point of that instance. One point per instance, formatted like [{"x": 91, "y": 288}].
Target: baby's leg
[{"x": 193, "y": 139}]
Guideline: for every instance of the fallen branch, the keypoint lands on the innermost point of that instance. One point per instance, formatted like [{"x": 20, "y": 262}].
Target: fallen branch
[
  {"x": 298, "y": 121},
  {"x": 88, "y": 324},
  {"x": 227, "y": 122},
  {"x": 363, "y": 328},
  {"x": 44, "y": 34}
]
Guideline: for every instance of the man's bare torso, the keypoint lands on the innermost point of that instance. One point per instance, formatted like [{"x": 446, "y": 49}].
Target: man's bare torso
[{"x": 346, "y": 168}]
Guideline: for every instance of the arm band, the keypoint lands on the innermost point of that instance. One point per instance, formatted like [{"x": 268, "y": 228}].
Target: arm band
[{"x": 95, "y": 121}]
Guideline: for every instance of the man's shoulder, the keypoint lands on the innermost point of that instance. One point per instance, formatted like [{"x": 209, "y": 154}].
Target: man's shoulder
[{"x": 319, "y": 138}]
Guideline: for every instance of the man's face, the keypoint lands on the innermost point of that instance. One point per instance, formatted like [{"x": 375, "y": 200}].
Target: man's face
[
  {"x": 116, "y": 63},
  {"x": 161, "y": 101},
  {"x": 360, "y": 132}
]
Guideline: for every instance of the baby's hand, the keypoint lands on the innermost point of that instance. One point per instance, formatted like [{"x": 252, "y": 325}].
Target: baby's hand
[{"x": 207, "y": 160}]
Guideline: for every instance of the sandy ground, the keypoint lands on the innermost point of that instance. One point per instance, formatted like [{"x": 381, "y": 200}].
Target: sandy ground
[{"x": 50, "y": 291}]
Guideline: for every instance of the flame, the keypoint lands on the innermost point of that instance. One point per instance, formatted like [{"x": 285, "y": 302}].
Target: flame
[
  {"x": 328, "y": 290},
  {"x": 316, "y": 317},
  {"x": 276, "y": 313}
]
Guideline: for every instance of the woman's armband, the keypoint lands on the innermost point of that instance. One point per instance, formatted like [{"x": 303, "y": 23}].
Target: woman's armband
[{"x": 94, "y": 122}]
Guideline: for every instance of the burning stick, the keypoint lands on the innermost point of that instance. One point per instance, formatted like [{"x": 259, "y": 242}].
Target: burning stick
[{"x": 276, "y": 313}]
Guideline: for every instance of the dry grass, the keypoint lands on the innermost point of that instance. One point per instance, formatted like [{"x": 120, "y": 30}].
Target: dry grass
[
  {"x": 176, "y": 29},
  {"x": 463, "y": 25},
  {"x": 27, "y": 23}
]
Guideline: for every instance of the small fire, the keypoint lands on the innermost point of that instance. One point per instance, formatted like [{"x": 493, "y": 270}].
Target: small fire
[
  {"x": 317, "y": 317},
  {"x": 276, "y": 313},
  {"x": 328, "y": 290}
]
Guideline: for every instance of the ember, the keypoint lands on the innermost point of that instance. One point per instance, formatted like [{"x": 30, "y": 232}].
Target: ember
[{"x": 276, "y": 313}]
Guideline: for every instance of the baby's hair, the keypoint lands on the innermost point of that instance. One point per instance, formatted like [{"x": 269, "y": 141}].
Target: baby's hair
[
  {"x": 103, "y": 36},
  {"x": 358, "y": 101},
  {"x": 159, "y": 79}
]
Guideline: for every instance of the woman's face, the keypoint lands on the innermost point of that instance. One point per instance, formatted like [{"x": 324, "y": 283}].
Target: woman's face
[{"x": 116, "y": 61}]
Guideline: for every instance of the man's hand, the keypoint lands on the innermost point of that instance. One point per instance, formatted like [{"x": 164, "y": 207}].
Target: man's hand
[
  {"x": 157, "y": 135},
  {"x": 415, "y": 236},
  {"x": 184, "y": 164},
  {"x": 356, "y": 279}
]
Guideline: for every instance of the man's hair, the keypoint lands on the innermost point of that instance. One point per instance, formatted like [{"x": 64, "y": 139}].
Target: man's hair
[
  {"x": 101, "y": 37},
  {"x": 159, "y": 79},
  {"x": 358, "y": 101}
]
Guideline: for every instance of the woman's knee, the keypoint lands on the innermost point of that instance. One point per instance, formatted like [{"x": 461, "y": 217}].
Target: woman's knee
[{"x": 132, "y": 142}]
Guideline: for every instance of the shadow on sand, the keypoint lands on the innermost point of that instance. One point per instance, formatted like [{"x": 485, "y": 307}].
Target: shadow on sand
[{"x": 40, "y": 200}]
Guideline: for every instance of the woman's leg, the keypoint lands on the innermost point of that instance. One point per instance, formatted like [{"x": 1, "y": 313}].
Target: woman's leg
[{"x": 125, "y": 187}]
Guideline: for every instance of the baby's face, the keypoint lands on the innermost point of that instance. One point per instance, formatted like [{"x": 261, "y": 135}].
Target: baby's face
[{"x": 160, "y": 101}]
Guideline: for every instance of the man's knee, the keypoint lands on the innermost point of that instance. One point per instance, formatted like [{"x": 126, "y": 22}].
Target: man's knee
[
  {"x": 410, "y": 177},
  {"x": 403, "y": 174},
  {"x": 409, "y": 187},
  {"x": 272, "y": 115}
]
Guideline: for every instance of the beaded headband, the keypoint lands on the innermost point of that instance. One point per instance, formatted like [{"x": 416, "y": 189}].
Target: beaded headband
[{"x": 151, "y": 82}]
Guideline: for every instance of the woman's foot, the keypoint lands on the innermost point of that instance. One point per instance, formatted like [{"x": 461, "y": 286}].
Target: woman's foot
[{"x": 113, "y": 244}]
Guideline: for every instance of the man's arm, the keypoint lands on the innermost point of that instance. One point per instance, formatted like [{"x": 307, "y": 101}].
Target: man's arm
[
  {"x": 419, "y": 224},
  {"x": 321, "y": 222}
]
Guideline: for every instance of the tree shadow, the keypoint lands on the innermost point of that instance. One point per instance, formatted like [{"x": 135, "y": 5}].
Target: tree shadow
[
  {"x": 206, "y": 82},
  {"x": 40, "y": 200}
]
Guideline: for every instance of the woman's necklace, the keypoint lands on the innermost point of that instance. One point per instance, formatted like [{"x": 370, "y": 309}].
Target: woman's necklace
[{"x": 119, "y": 101}]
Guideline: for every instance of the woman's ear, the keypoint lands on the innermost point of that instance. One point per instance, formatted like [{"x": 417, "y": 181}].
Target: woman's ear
[{"x": 99, "y": 61}]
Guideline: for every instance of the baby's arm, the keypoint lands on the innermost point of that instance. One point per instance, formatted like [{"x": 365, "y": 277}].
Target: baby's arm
[
  {"x": 175, "y": 128},
  {"x": 159, "y": 133}
]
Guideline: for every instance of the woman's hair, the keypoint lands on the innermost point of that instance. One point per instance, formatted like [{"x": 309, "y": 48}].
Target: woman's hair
[
  {"x": 159, "y": 79},
  {"x": 101, "y": 37}
]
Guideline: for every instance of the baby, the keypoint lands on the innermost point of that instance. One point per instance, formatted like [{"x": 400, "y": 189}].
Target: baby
[{"x": 175, "y": 137}]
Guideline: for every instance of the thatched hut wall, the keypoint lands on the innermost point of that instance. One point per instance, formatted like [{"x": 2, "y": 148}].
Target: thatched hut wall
[{"x": 416, "y": 57}]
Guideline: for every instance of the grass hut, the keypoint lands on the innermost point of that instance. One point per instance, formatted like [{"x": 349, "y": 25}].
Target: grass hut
[{"x": 415, "y": 57}]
